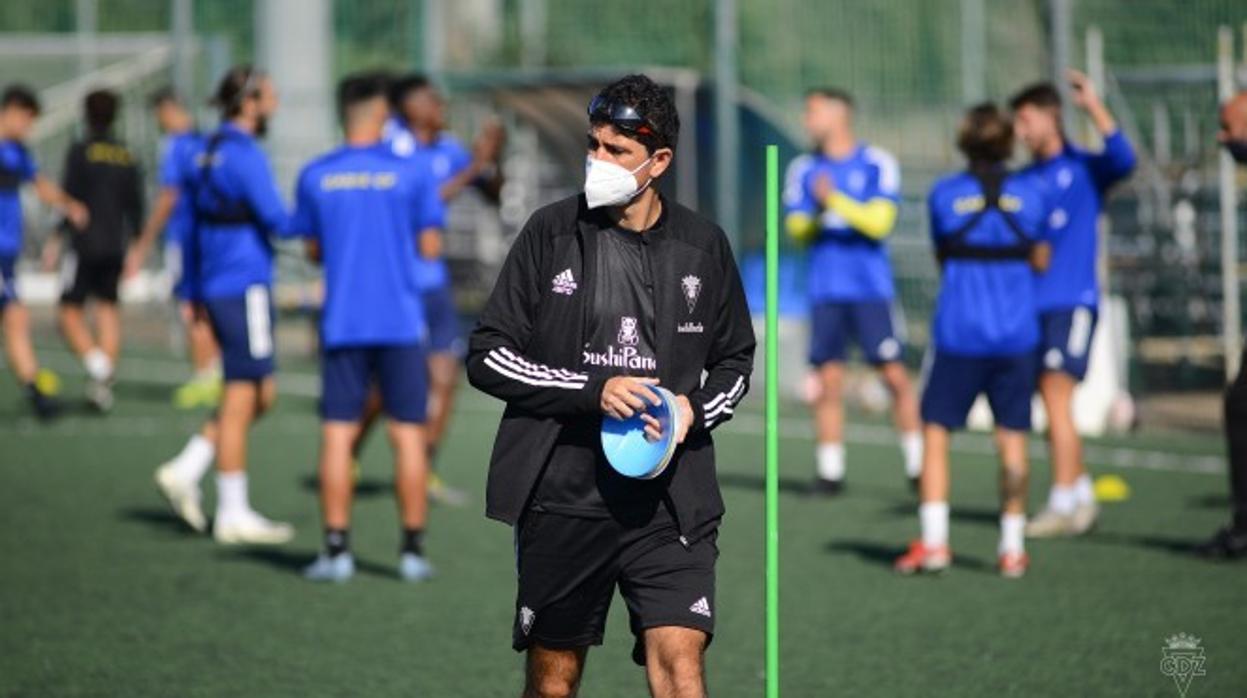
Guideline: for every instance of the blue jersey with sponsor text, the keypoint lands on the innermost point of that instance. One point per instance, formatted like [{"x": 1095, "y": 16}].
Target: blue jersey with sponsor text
[
  {"x": 445, "y": 157},
  {"x": 178, "y": 150},
  {"x": 234, "y": 179},
  {"x": 845, "y": 265},
  {"x": 1080, "y": 180},
  {"x": 987, "y": 307},
  {"x": 366, "y": 208}
]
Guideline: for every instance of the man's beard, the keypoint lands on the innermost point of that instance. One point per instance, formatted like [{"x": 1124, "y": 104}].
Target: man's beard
[{"x": 261, "y": 126}]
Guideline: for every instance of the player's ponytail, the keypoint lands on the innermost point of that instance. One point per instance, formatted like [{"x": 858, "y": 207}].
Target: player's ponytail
[{"x": 238, "y": 84}]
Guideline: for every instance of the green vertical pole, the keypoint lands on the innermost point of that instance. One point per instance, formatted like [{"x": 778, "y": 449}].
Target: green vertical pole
[{"x": 772, "y": 421}]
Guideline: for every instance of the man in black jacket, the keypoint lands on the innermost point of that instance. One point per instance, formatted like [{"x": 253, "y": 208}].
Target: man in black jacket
[
  {"x": 603, "y": 295},
  {"x": 103, "y": 173}
]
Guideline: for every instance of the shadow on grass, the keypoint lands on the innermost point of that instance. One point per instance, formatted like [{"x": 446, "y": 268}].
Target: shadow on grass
[
  {"x": 1210, "y": 501},
  {"x": 982, "y": 517},
  {"x": 1177, "y": 546},
  {"x": 157, "y": 518},
  {"x": 805, "y": 486},
  {"x": 290, "y": 561},
  {"x": 885, "y": 555},
  {"x": 146, "y": 392},
  {"x": 366, "y": 487},
  {"x": 749, "y": 481},
  {"x": 294, "y": 561}
]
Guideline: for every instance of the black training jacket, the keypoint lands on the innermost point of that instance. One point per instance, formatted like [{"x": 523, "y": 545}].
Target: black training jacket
[{"x": 528, "y": 343}]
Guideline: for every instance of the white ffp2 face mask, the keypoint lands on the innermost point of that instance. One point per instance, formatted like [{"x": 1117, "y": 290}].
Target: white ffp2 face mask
[{"x": 609, "y": 184}]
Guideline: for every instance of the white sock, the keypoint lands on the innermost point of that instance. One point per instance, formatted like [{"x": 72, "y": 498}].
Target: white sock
[
  {"x": 211, "y": 372},
  {"x": 831, "y": 461},
  {"x": 98, "y": 365},
  {"x": 231, "y": 494},
  {"x": 1061, "y": 499},
  {"x": 934, "y": 519},
  {"x": 195, "y": 459},
  {"x": 911, "y": 446},
  {"x": 1084, "y": 490},
  {"x": 1012, "y": 527}
]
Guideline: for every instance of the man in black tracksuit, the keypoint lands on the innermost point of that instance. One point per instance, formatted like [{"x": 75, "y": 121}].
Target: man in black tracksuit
[
  {"x": 103, "y": 173},
  {"x": 603, "y": 295}
]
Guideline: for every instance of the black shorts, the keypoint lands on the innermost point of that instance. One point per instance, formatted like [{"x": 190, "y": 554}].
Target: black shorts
[
  {"x": 88, "y": 278},
  {"x": 569, "y": 568}
]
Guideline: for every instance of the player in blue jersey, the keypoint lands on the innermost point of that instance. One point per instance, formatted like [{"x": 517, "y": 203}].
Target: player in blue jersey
[
  {"x": 172, "y": 215},
  {"x": 19, "y": 107},
  {"x": 989, "y": 228},
  {"x": 1068, "y": 295},
  {"x": 236, "y": 209},
  {"x": 417, "y": 131},
  {"x": 842, "y": 200},
  {"x": 363, "y": 211}
]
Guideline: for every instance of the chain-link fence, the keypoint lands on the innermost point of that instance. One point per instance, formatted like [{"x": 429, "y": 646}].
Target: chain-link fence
[{"x": 912, "y": 66}]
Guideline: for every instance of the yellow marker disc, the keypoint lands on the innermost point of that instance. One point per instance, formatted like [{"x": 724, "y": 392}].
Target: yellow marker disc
[
  {"x": 1111, "y": 488},
  {"x": 47, "y": 382}
]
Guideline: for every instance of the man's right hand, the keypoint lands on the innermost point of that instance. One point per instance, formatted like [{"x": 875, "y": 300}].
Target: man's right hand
[
  {"x": 824, "y": 187},
  {"x": 624, "y": 396},
  {"x": 134, "y": 261},
  {"x": 430, "y": 243},
  {"x": 77, "y": 214}
]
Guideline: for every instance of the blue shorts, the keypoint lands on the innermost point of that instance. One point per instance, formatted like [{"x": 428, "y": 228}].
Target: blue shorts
[
  {"x": 1066, "y": 342},
  {"x": 401, "y": 372},
  {"x": 443, "y": 321},
  {"x": 243, "y": 327},
  {"x": 8, "y": 281},
  {"x": 956, "y": 381},
  {"x": 869, "y": 323}
]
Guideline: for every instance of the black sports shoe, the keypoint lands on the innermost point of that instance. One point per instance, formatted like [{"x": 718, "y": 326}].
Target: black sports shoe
[
  {"x": 45, "y": 406},
  {"x": 1228, "y": 543},
  {"x": 828, "y": 488}
]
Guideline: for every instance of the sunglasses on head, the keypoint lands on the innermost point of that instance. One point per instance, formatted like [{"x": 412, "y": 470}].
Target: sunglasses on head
[{"x": 623, "y": 116}]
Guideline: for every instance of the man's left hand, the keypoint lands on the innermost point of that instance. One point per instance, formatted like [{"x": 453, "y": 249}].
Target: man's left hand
[
  {"x": 1084, "y": 92},
  {"x": 653, "y": 428}
]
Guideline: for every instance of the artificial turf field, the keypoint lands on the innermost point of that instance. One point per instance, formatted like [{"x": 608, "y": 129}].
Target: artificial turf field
[{"x": 103, "y": 592}]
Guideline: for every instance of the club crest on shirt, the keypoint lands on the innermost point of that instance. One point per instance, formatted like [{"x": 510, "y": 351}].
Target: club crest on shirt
[
  {"x": 692, "y": 290},
  {"x": 856, "y": 181},
  {"x": 627, "y": 332}
]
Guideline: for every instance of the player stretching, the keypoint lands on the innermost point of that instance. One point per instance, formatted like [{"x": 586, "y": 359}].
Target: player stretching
[
  {"x": 603, "y": 295},
  {"x": 363, "y": 209},
  {"x": 1069, "y": 293},
  {"x": 985, "y": 223},
  {"x": 172, "y": 214},
  {"x": 236, "y": 208},
  {"x": 842, "y": 200},
  {"x": 18, "y": 110},
  {"x": 101, "y": 172}
]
